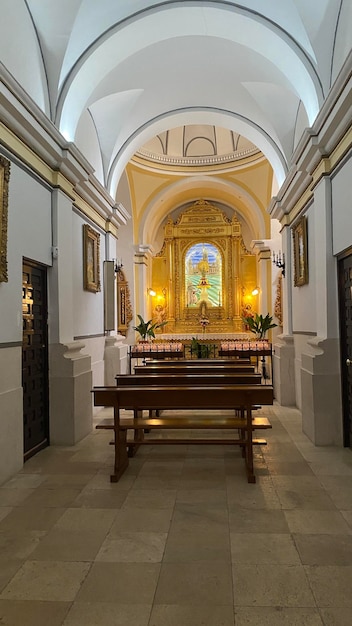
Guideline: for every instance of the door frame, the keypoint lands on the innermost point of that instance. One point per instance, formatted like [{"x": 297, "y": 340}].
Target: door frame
[
  {"x": 347, "y": 439},
  {"x": 46, "y": 442}
]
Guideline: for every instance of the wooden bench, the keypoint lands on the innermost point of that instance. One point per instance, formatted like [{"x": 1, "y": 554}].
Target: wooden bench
[
  {"x": 184, "y": 397},
  {"x": 186, "y": 368}
]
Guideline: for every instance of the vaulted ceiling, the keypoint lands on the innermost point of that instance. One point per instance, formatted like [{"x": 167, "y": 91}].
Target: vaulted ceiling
[{"x": 111, "y": 75}]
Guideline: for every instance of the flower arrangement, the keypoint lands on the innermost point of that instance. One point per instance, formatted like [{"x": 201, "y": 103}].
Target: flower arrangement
[{"x": 204, "y": 323}]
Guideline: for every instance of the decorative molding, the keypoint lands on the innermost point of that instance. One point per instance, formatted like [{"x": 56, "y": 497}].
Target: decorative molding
[{"x": 4, "y": 198}]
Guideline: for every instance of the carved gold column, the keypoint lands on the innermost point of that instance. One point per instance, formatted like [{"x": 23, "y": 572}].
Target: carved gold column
[
  {"x": 169, "y": 241},
  {"x": 236, "y": 256}
]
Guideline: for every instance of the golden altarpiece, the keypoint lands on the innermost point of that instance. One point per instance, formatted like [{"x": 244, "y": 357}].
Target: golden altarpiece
[{"x": 202, "y": 274}]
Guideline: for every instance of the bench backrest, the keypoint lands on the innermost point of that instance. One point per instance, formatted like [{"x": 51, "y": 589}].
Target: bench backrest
[
  {"x": 197, "y": 362},
  {"x": 194, "y": 369},
  {"x": 191, "y": 378},
  {"x": 183, "y": 397}
]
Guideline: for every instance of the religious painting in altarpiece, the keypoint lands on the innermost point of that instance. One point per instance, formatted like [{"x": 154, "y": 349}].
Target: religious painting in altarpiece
[{"x": 198, "y": 274}]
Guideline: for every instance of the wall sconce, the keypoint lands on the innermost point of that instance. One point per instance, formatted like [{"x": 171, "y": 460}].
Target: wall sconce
[
  {"x": 255, "y": 291},
  {"x": 279, "y": 261},
  {"x": 151, "y": 292},
  {"x": 118, "y": 265}
]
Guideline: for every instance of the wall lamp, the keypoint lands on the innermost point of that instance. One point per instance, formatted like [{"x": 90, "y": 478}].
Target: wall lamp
[
  {"x": 279, "y": 261},
  {"x": 255, "y": 291},
  {"x": 151, "y": 292},
  {"x": 118, "y": 265}
]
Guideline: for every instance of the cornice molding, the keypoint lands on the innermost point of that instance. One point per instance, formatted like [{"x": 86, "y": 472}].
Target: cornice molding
[
  {"x": 35, "y": 141},
  {"x": 319, "y": 151}
]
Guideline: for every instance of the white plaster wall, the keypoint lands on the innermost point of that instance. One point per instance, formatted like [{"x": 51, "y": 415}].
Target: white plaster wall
[
  {"x": 304, "y": 297},
  {"x": 95, "y": 347},
  {"x": 88, "y": 307},
  {"x": 29, "y": 235},
  {"x": 342, "y": 206}
]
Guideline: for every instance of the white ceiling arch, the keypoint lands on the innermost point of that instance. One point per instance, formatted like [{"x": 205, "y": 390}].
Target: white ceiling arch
[
  {"x": 225, "y": 119},
  {"x": 169, "y": 198},
  {"x": 292, "y": 67}
]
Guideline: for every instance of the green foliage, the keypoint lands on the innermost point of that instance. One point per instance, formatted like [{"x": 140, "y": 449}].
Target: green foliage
[
  {"x": 146, "y": 329},
  {"x": 259, "y": 324},
  {"x": 200, "y": 350}
]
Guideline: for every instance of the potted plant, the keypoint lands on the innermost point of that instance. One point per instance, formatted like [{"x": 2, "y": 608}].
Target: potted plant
[
  {"x": 147, "y": 329},
  {"x": 259, "y": 325}
]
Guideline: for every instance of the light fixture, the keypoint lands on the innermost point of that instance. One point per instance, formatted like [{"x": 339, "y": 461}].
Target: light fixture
[
  {"x": 151, "y": 292},
  {"x": 279, "y": 261},
  {"x": 255, "y": 291},
  {"x": 118, "y": 265}
]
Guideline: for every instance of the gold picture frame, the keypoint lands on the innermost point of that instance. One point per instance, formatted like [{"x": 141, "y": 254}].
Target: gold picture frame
[
  {"x": 4, "y": 199},
  {"x": 300, "y": 252},
  {"x": 91, "y": 259}
]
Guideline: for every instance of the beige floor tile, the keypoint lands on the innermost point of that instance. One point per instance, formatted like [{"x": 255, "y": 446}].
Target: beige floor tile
[
  {"x": 197, "y": 583},
  {"x": 125, "y": 583},
  {"x": 68, "y": 545},
  {"x": 317, "y": 522},
  {"x": 8, "y": 568},
  {"x": 263, "y": 548},
  {"x": 347, "y": 515},
  {"x": 99, "y": 499},
  {"x": 74, "y": 544},
  {"x": 277, "y": 616},
  {"x": 199, "y": 517},
  {"x": 258, "y": 521},
  {"x": 107, "y": 614},
  {"x": 197, "y": 545},
  {"x": 286, "y": 468},
  {"x": 175, "y": 615},
  {"x": 25, "y": 481},
  {"x": 152, "y": 520},
  {"x": 133, "y": 547},
  {"x": 212, "y": 497},
  {"x": 331, "y": 585},
  {"x": 4, "y": 512},
  {"x": 14, "y": 497},
  {"x": 31, "y": 518},
  {"x": 150, "y": 498},
  {"x": 336, "y": 617},
  {"x": 32, "y": 613},
  {"x": 53, "y": 481},
  {"x": 265, "y": 585},
  {"x": 46, "y": 497},
  {"x": 324, "y": 549},
  {"x": 86, "y": 519},
  {"x": 16, "y": 544},
  {"x": 39, "y": 580}
]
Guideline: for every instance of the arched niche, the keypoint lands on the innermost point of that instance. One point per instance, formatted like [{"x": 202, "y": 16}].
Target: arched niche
[{"x": 203, "y": 269}]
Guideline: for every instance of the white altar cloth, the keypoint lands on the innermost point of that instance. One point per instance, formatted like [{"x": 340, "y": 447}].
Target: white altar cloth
[{"x": 206, "y": 335}]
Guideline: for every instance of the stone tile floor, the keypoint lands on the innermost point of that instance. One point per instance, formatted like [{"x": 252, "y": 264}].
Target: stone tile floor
[{"x": 182, "y": 539}]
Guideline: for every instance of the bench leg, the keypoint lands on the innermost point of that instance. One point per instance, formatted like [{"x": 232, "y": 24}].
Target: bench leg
[
  {"x": 249, "y": 447},
  {"x": 121, "y": 458}
]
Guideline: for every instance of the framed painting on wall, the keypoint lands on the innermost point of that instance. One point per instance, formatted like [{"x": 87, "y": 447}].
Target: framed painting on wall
[
  {"x": 91, "y": 259},
  {"x": 300, "y": 252},
  {"x": 4, "y": 196}
]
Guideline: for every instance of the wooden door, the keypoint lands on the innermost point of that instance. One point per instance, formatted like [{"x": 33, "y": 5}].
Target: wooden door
[
  {"x": 35, "y": 359},
  {"x": 345, "y": 297}
]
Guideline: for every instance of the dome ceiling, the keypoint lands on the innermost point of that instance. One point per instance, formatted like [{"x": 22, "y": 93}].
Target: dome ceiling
[{"x": 197, "y": 145}]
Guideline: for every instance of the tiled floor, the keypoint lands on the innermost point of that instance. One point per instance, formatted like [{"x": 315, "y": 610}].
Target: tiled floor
[{"x": 182, "y": 539}]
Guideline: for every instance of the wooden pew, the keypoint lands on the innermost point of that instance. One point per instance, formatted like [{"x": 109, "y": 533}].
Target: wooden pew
[
  {"x": 202, "y": 368},
  {"x": 184, "y": 397},
  {"x": 198, "y": 362},
  {"x": 196, "y": 379}
]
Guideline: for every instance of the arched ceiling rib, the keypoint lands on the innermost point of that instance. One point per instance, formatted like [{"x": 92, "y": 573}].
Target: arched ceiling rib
[{"x": 257, "y": 63}]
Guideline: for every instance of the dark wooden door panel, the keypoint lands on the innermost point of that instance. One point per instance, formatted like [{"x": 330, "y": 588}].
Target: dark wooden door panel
[
  {"x": 35, "y": 360},
  {"x": 345, "y": 294}
]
